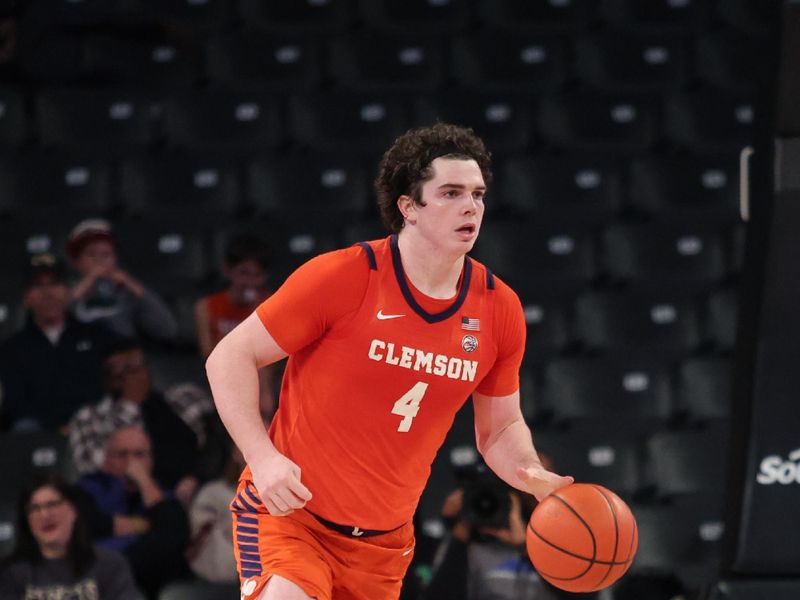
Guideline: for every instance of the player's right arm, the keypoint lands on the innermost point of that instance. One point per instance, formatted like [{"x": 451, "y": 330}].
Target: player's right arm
[{"x": 232, "y": 369}]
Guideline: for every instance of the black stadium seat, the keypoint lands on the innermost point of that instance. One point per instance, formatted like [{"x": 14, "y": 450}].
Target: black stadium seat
[
  {"x": 757, "y": 589},
  {"x": 547, "y": 328},
  {"x": 709, "y": 122},
  {"x": 659, "y": 16},
  {"x": 13, "y": 118},
  {"x": 734, "y": 63},
  {"x": 441, "y": 16},
  {"x": 703, "y": 388},
  {"x": 537, "y": 15},
  {"x": 721, "y": 318},
  {"x": 298, "y": 16}
]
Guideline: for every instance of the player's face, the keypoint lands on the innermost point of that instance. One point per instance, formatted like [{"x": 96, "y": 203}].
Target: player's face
[
  {"x": 453, "y": 204},
  {"x": 51, "y": 518}
]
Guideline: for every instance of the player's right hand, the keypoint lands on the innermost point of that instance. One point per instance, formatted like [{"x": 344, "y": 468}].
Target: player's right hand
[{"x": 277, "y": 480}]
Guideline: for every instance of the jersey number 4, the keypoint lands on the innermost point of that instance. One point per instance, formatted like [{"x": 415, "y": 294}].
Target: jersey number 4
[{"x": 408, "y": 405}]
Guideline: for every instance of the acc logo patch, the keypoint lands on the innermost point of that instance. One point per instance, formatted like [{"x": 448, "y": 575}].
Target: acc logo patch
[{"x": 469, "y": 343}]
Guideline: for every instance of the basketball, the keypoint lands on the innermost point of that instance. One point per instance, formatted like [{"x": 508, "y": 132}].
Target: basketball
[{"x": 582, "y": 538}]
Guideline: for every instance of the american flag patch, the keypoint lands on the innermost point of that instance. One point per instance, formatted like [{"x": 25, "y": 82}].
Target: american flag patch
[{"x": 470, "y": 324}]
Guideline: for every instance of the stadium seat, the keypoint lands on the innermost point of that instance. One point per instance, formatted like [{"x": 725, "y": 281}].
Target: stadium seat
[
  {"x": 753, "y": 17},
  {"x": 141, "y": 61},
  {"x": 53, "y": 186},
  {"x": 362, "y": 231},
  {"x": 13, "y": 119},
  {"x": 534, "y": 258},
  {"x": 51, "y": 57},
  {"x": 12, "y": 313},
  {"x": 83, "y": 13},
  {"x": 170, "y": 259},
  {"x": 569, "y": 189},
  {"x": 631, "y": 324},
  {"x": 283, "y": 63},
  {"x": 313, "y": 188},
  {"x": 226, "y": 121},
  {"x": 658, "y": 257},
  {"x": 199, "y": 590},
  {"x": 608, "y": 460},
  {"x": 503, "y": 121},
  {"x": 387, "y": 62},
  {"x": 361, "y": 124},
  {"x": 617, "y": 62},
  {"x": 510, "y": 62},
  {"x": 537, "y": 15},
  {"x": 709, "y": 122},
  {"x": 199, "y": 15},
  {"x": 22, "y": 239},
  {"x": 298, "y": 16},
  {"x": 721, "y": 318},
  {"x": 440, "y": 16},
  {"x": 690, "y": 462},
  {"x": 96, "y": 121},
  {"x": 547, "y": 327},
  {"x": 596, "y": 122},
  {"x": 8, "y": 526},
  {"x": 703, "y": 388},
  {"x": 656, "y": 16},
  {"x": 734, "y": 63},
  {"x": 681, "y": 189},
  {"x": 608, "y": 395},
  {"x": 757, "y": 589},
  {"x": 194, "y": 189}
]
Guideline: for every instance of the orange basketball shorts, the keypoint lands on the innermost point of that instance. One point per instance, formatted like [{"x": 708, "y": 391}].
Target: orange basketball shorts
[{"x": 326, "y": 564}]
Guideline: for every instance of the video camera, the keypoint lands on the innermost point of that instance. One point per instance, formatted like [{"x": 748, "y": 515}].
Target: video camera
[{"x": 486, "y": 497}]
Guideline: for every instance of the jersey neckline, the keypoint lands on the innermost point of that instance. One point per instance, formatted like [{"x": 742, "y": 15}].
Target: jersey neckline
[{"x": 400, "y": 275}]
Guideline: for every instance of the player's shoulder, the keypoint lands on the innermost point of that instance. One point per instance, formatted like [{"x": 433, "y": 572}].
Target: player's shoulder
[
  {"x": 356, "y": 257},
  {"x": 503, "y": 292}
]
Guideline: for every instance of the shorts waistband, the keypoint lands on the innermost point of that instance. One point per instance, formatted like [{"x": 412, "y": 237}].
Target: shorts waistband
[{"x": 351, "y": 530}]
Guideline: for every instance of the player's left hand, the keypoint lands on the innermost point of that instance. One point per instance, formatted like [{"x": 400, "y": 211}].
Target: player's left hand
[{"x": 540, "y": 482}]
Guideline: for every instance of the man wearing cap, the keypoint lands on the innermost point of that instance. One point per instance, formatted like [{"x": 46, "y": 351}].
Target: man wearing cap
[
  {"x": 106, "y": 294},
  {"x": 54, "y": 364}
]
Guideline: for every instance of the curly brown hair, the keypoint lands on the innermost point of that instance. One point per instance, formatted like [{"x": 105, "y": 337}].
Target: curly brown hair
[{"x": 407, "y": 164}]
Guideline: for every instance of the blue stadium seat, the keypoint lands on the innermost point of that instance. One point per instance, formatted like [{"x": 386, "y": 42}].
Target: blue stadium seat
[
  {"x": 537, "y": 15},
  {"x": 503, "y": 121},
  {"x": 631, "y": 324},
  {"x": 617, "y": 62},
  {"x": 99, "y": 121},
  {"x": 510, "y": 61},
  {"x": 570, "y": 188},
  {"x": 598, "y": 122},
  {"x": 659, "y": 16},
  {"x": 659, "y": 257},
  {"x": 709, "y": 122},
  {"x": 681, "y": 189},
  {"x": 384, "y": 62},
  {"x": 703, "y": 388},
  {"x": 283, "y": 63},
  {"x": 400, "y": 16},
  {"x": 227, "y": 121},
  {"x": 298, "y": 16}
]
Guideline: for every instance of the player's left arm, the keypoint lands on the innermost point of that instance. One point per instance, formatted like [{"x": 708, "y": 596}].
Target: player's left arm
[{"x": 506, "y": 444}]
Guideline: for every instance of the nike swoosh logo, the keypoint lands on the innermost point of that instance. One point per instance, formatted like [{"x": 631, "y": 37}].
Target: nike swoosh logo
[
  {"x": 383, "y": 317},
  {"x": 407, "y": 552}
]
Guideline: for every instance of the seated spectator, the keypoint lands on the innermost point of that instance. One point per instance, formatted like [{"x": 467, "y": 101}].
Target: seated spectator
[
  {"x": 126, "y": 487},
  {"x": 211, "y": 550},
  {"x": 54, "y": 557},
  {"x": 106, "y": 294},
  {"x": 53, "y": 366},
  {"x": 246, "y": 268},
  {"x": 178, "y": 421}
]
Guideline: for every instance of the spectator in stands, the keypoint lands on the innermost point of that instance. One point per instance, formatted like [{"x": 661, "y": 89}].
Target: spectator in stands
[
  {"x": 107, "y": 294},
  {"x": 126, "y": 487},
  {"x": 211, "y": 550},
  {"x": 181, "y": 422},
  {"x": 54, "y": 557},
  {"x": 246, "y": 268},
  {"x": 53, "y": 365}
]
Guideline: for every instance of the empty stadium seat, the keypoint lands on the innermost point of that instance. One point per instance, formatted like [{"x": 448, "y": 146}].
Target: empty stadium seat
[
  {"x": 533, "y": 257},
  {"x": 612, "y": 322},
  {"x": 503, "y": 121},
  {"x": 225, "y": 121},
  {"x": 683, "y": 189},
  {"x": 364, "y": 124},
  {"x": 721, "y": 318},
  {"x": 13, "y": 118},
  {"x": 431, "y": 16},
  {"x": 757, "y": 589},
  {"x": 703, "y": 388},
  {"x": 98, "y": 121},
  {"x": 597, "y": 394},
  {"x": 753, "y": 17},
  {"x": 709, "y": 122},
  {"x": 298, "y": 16},
  {"x": 84, "y": 13},
  {"x": 510, "y": 62},
  {"x": 547, "y": 327},
  {"x": 188, "y": 188},
  {"x": 572, "y": 189},
  {"x": 632, "y": 63},
  {"x": 537, "y": 15},
  {"x": 200, "y": 15},
  {"x": 12, "y": 313},
  {"x": 50, "y": 57},
  {"x": 383, "y": 62},
  {"x": 656, "y": 15},
  {"x": 732, "y": 62},
  {"x": 589, "y": 122},
  {"x": 289, "y": 63},
  {"x": 660, "y": 257}
]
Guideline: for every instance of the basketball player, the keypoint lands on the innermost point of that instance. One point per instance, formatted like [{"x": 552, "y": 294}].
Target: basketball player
[{"x": 386, "y": 340}]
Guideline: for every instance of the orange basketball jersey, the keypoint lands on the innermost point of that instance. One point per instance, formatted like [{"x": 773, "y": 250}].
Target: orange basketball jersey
[{"x": 368, "y": 397}]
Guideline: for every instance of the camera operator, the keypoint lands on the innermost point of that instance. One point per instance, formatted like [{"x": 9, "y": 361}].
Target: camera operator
[{"x": 487, "y": 520}]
